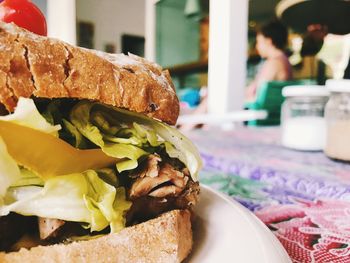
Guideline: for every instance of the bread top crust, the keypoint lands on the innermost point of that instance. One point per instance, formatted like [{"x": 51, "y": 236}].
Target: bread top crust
[{"x": 42, "y": 67}]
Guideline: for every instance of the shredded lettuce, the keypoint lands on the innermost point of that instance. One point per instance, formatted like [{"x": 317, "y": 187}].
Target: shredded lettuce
[
  {"x": 81, "y": 197},
  {"x": 180, "y": 147},
  {"x": 131, "y": 152},
  {"x": 130, "y": 136},
  {"x": 26, "y": 114},
  {"x": 176, "y": 144},
  {"x": 80, "y": 117},
  {"x": 100, "y": 134}
]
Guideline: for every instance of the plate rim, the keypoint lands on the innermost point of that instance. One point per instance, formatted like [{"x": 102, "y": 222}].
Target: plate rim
[{"x": 255, "y": 223}]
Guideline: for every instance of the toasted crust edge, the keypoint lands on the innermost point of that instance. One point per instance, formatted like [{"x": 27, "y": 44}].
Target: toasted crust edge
[
  {"x": 33, "y": 65},
  {"x": 167, "y": 238}
]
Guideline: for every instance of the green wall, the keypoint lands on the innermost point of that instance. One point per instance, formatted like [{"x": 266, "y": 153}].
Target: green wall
[{"x": 177, "y": 36}]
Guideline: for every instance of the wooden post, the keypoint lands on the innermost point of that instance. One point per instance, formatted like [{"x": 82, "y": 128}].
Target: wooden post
[
  {"x": 61, "y": 20},
  {"x": 150, "y": 30}
]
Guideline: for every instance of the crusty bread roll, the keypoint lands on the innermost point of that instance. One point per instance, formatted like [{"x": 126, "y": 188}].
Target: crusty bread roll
[
  {"x": 167, "y": 238},
  {"x": 32, "y": 65}
]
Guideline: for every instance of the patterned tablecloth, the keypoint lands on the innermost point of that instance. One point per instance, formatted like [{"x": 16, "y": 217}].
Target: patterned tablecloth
[{"x": 303, "y": 197}]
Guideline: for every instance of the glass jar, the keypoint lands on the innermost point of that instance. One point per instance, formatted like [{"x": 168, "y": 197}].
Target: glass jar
[
  {"x": 338, "y": 120},
  {"x": 302, "y": 117}
]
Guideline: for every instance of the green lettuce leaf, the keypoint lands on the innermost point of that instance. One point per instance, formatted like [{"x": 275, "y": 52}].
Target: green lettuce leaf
[
  {"x": 80, "y": 117},
  {"x": 52, "y": 112},
  {"x": 108, "y": 175},
  {"x": 151, "y": 136},
  {"x": 130, "y": 152},
  {"x": 9, "y": 171},
  {"x": 78, "y": 139},
  {"x": 28, "y": 178},
  {"x": 82, "y": 197},
  {"x": 117, "y": 147},
  {"x": 130, "y": 136},
  {"x": 26, "y": 114},
  {"x": 120, "y": 205},
  {"x": 177, "y": 146},
  {"x": 182, "y": 148},
  {"x": 56, "y": 112}
]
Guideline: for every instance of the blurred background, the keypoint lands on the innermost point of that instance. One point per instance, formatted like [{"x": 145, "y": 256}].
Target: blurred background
[{"x": 175, "y": 34}]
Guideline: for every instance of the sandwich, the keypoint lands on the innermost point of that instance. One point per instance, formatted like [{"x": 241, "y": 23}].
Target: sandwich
[{"x": 91, "y": 169}]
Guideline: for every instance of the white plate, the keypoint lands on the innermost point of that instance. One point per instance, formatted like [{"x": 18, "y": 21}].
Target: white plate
[{"x": 225, "y": 231}]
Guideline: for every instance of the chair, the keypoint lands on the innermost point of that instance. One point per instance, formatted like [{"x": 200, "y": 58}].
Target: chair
[{"x": 269, "y": 97}]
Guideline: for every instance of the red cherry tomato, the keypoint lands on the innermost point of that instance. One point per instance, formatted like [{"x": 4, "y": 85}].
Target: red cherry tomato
[{"x": 24, "y": 14}]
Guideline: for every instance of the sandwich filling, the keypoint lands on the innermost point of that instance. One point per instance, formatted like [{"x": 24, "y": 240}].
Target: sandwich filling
[{"x": 71, "y": 168}]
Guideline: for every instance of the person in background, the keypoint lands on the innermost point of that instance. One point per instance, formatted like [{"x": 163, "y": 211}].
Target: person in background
[
  {"x": 271, "y": 41},
  {"x": 311, "y": 66}
]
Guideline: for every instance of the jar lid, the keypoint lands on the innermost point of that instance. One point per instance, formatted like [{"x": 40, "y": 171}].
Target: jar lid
[
  {"x": 338, "y": 85},
  {"x": 305, "y": 90}
]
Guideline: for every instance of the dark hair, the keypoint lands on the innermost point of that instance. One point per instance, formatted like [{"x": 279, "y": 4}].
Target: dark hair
[
  {"x": 277, "y": 32},
  {"x": 313, "y": 40},
  {"x": 311, "y": 46}
]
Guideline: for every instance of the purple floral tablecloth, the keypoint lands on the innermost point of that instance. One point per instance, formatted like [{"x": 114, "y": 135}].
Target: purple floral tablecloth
[{"x": 303, "y": 197}]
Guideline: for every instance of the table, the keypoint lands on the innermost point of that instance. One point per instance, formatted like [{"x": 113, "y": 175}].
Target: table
[{"x": 303, "y": 197}]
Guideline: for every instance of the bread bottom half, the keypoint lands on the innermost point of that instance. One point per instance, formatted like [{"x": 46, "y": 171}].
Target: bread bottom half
[{"x": 167, "y": 238}]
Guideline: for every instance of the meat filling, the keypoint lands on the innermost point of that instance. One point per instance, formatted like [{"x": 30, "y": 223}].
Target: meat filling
[
  {"x": 160, "y": 186},
  {"x": 158, "y": 179},
  {"x": 49, "y": 228}
]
